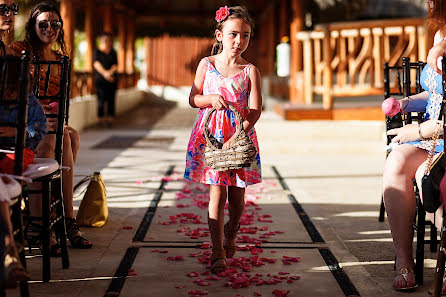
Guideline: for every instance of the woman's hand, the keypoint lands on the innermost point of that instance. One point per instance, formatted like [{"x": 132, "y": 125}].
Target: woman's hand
[
  {"x": 231, "y": 140},
  {"x": 434, "y": 53},
  {"x": 218, "y": 102},
  {"x": 405, "y": 134}
]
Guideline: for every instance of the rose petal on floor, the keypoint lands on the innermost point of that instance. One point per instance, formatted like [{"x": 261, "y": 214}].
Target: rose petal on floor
[
  {"x": 281, "y": 293},
  {"x": 198, "y": 292}
]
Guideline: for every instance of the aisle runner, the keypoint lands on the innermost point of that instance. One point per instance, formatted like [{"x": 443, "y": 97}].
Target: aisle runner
[{"x": 240, "y": 270}]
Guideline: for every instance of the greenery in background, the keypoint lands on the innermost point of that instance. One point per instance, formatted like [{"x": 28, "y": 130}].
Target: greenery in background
[{"x": 79, "y": 56}]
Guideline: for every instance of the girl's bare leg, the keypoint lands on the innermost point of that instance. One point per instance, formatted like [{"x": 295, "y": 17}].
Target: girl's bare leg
[{"x": 401, "y": 166}]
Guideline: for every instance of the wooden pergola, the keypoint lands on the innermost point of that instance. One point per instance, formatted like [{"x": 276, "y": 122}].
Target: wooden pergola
[{"x": 140, "y": 18}]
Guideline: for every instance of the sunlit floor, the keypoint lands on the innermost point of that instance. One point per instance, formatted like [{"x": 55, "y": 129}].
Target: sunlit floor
[{"x": 156, "y": 240}]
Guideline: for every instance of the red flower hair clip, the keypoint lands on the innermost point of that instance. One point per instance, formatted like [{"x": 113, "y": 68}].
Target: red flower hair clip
[{"x": 222, "y": 14}]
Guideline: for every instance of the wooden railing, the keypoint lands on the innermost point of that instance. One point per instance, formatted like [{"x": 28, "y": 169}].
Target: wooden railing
[
  {"x": 82, "y": 83},
  {"x": 346, "y": 59}
]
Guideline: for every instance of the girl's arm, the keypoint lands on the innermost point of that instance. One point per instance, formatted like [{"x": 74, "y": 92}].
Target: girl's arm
[
  {"x": 255, "y": 100},
  {"x": 196, "y": 99},
  {"x": 415, "y": 103},
  {"x": 255, "y": 105}
]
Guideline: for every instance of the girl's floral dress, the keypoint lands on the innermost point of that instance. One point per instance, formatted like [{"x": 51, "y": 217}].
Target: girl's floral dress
[{"x": 222, "y": 125}]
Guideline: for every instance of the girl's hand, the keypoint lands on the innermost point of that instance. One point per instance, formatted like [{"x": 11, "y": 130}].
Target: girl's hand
[
  {"x": 218, "y": 102},
  {"x": 405, "y": 134},
  {"x": 231, "y": 140}
]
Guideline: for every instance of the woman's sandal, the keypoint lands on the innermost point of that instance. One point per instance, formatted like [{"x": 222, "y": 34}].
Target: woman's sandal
[
  {"x": 14, "y": 271},
  {"x": 33, "y": 235},
  {"x": 77, "y": 241},
  {"x": 230, "y": 235},
  {"x": 218, "y": 261},
  {"x": 404, "y": 272}
]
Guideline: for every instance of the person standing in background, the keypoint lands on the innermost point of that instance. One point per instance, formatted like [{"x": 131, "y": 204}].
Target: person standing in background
[{"x": 105, "y": 64}]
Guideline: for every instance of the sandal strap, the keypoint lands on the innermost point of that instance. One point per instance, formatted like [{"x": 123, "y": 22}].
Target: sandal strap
[
  {"x": 404, "y": 272},
  {"x": 72, "y": 227}
]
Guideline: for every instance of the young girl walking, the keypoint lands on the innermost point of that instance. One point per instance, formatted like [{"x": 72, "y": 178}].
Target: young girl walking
[{"x": 224, "y": 79}]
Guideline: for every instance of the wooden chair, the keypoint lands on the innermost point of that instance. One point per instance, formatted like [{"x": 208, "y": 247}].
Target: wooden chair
[
  {"x": 404, "y": 88},
  {"x": 21, "y": 66},
  {"x": 51, "y": 190},
  {"x": 441, "y": 257}
]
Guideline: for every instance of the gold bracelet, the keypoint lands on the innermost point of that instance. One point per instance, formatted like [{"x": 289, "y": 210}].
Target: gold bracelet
[{"x": 419, "y": 132}]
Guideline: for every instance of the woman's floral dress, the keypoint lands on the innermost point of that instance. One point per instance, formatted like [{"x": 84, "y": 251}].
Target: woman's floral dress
[{"x": 222, "y": 125}]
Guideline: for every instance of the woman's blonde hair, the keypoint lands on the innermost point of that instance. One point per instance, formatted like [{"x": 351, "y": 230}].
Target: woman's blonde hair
[{"x": 235, "y": 12}]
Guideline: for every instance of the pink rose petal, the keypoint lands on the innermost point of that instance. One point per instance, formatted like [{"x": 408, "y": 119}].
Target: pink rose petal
[
  {"x": 281, "y": 293},
  {"x": 198, "y": 292}
]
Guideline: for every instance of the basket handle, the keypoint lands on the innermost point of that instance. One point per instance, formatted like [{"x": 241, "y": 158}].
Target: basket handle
[{"x": 209, "y": 136}]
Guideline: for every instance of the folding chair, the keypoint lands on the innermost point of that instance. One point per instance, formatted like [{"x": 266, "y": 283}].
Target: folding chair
[
  {"x": 18, "y": 67},
  {"x": 402, "y": 89},
  {"x": 51, "y": 190}
]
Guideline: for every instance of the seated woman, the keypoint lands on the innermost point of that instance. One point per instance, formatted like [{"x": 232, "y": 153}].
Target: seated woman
[
  {"x": 44, "y": 29},
  {"x": 408, "y": 159}
]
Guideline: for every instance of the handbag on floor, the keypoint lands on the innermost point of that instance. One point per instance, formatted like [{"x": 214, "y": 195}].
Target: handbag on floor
[{"x": 93, "y": 211}]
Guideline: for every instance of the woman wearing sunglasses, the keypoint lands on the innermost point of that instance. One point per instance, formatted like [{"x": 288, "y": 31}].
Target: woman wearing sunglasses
[{"x": 44, "y": 33}]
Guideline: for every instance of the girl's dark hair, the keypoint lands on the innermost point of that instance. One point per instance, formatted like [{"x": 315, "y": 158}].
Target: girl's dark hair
[
  {"x": 31, "y": 37},
  {"x": 436, "y": 17},
  {"x": 235, "y": 12}
]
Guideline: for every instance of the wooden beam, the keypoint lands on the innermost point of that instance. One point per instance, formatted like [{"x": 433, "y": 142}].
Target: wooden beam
[
  {"x": 121, "y": 20},
  {"x": 284, "y": 22},
  {"x": 297, "y": 25},
  {"x": 130, "y": 45},
  {"x": 67, "y": 11},
  {"x": 108, "y": 18},
  {"x": 90, "y": 36}
]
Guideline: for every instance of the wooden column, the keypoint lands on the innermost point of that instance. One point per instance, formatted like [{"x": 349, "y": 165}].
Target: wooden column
[
  {"x": 122, "y": 28},
  {"x": 296, "y": 75},
  {"x": 67, "y": 11},
  {"x": 108, "y": 18},
  {"x": 284, "y": 23},
  {"x": 130, "y": 47},
  {"x": 90, "y": 36}
]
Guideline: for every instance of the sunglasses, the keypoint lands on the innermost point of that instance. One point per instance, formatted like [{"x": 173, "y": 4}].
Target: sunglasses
[
  {"x": 56, "y": 25},
  {"x": 5, "y": 9}
]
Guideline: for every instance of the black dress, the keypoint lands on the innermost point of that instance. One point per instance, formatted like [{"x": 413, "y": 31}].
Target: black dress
[{"x": 106, "y": 90}]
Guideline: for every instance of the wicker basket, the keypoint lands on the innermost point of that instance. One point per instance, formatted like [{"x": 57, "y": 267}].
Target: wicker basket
[{"x": 241, "y": 153}]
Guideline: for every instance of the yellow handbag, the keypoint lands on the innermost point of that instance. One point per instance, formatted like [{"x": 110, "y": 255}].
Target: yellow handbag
[{"x": 93, "y": 211}]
